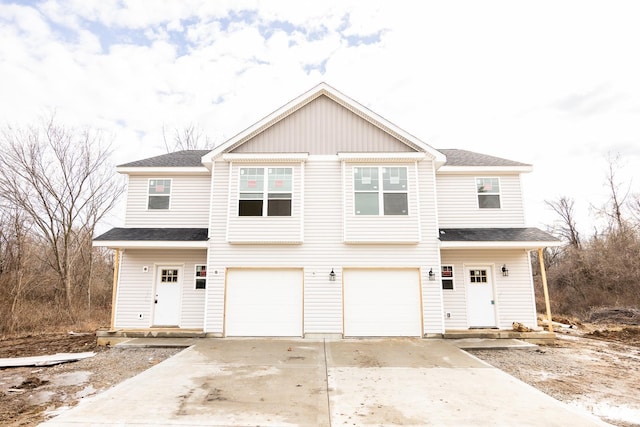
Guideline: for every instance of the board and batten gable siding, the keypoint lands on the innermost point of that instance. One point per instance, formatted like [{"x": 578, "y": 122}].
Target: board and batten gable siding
[
  {"x": 270, "y": 229},
  {"x": 322, "y": 127},
  {"x": 458, "y": 202},
  {"x": 189, "y": 203},
  {"x": 514, "y": 294},
  {"x": 383, "y": 228},
  {"x": 323, "y": 249},
  {"x": 135, "y": 291}
]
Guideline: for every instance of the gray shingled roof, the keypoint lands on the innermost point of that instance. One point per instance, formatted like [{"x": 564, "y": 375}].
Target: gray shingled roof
[
  {"x": 155, "y": 234},
  {"x": 185, "y": 158},
  {"x": 192, "y": 158},
  {"x": 529, "y": 234},
  {"x": 457, "y": 157}
]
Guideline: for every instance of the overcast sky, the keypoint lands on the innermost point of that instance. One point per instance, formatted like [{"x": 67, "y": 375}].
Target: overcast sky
[{"x": 555, "y": 84}]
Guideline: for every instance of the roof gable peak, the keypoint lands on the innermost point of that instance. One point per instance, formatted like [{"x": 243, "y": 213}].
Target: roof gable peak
[{"x": 323, "y": 89}]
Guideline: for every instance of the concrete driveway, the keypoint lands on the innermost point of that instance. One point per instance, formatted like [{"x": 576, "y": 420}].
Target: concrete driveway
[{"x": 277, "y": 382}]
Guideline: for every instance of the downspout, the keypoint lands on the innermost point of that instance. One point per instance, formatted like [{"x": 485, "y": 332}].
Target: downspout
[
  {"x": 116, "y": 268},
  {"x": 543, "y": 273}
]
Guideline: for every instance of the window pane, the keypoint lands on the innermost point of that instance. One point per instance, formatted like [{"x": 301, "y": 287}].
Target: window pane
[
  {"x": 366, "y": 203},
  {"x": 158, "y": 202},
  {"x": 280, "y": 179},
  {"x": 365, "y": 179},
  {"x": 160, "y": 186},
  {"x": 201, "y": 283},
  {"x": 394, "y": 179},
  {"x": 395, "y": 204},
  {"x": 488, "y": 185},
  {"x": 251, "y": 179},
  {"x": 447, "y": 283},
  {"x": 250, "y": 207},
  {"x": 486, "y": 201},
  {"x": 279, "y": 208}
]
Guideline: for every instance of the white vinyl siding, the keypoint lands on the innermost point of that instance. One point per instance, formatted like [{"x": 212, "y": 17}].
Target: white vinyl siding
[
  {"x": 189, "y": 203},
  {"x": 323, "y": 127},
  {"x": 382, "y": 228},
  {"x": 458, "y": 202},
  {"x": 324, "y": 248},
  {"x": 513, "y": 294},
  {"x": 263, "y": 229},
  {"x": 135, "y": 291}
]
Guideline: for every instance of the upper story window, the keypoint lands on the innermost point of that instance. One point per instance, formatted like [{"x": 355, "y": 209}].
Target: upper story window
[
  {"x": 159, "y": 193},
  {"x": 488, "y": 193},
  {"x": 380, "y": 190},
  {"x": 265, "y": 191}
]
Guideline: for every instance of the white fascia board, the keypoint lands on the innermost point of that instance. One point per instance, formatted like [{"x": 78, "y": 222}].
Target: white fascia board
[
  {"x": 484, "y": 169},
  {"x": 307, "y": 97},
  {"x": 381, "y": 157},
  {"x": 499, "y": 245},
  {"x": 151, "y": 244},
  {"x": 198, "y": 170},
  {"x": 265, "y": 157}
]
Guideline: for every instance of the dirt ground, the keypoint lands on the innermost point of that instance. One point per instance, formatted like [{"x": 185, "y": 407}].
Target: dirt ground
[{"x": 593, "y": 367}]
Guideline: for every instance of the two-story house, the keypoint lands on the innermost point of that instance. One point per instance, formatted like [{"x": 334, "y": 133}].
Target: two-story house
[{"x": 321, "y": 219}]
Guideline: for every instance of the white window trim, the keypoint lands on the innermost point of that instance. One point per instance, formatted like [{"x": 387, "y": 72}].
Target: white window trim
[
  {"x": 499, "y": 193},
  {"x": 381, "y": 192},
  {"x": 265, "y": 190},
  {"x": 160, "y": 195},
  {"x": 196, "y": 277}
]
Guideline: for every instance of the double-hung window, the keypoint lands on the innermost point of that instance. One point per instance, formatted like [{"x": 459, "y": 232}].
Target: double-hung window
[
  {"x": 201, "y": 276},
  {"x": 159, "y": 194},
  {"x": 380, "y": 190},
  {"x": 488, "y": 193},
  {"x": 265, "y": 191}
]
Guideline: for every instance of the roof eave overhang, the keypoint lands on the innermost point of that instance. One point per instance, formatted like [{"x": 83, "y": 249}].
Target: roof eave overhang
[
  {"x": 191, "y": 170},
  {"x": 484, "y": 169},
  {"x": 266, "y": 157},
  {"x": 306, "y": 98},
  {"x": 150, "y": 244},
  {"x": 382, "y": 157},
  {"x": 526, "y": 245}
]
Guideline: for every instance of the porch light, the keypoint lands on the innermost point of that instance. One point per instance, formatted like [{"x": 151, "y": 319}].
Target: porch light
[
  {"x": 332, "y": 276},
  {"x": 432, "y": 275},
  {"x": 505, "y": 270}
]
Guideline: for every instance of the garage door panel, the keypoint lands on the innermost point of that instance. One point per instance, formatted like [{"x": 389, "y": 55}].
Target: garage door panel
[
  {"x": 263, "y": 303},
  {"x": 382, "y": 302}
]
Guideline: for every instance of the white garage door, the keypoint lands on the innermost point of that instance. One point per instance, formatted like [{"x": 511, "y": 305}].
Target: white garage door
[
  {"x": 384, "y": 302},
  {"x": 264, "y": 303}
]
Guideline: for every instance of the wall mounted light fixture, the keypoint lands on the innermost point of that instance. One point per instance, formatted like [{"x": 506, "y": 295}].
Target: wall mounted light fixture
[
  {"x": 432, "y": 275},
  {"x": 332, "y": 276},
  {"x": 505, "y": 270}
]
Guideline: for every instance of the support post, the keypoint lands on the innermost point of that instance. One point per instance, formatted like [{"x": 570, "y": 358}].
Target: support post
[
  {"x": 116, "y": 267},
  {"x": 543, "y": 273}
]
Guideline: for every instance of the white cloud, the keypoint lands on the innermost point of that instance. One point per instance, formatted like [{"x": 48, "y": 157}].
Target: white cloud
[{"x": 550, "y": 83}]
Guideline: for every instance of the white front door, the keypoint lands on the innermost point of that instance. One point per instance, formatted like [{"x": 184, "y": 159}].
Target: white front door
[
  {"x": 480, "y": 298},
  {"x": 167, "y": 297}
]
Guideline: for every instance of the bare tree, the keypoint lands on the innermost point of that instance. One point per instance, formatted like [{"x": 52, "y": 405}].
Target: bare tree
[
  {"x": 191, "y": 137},
  {"x": 617, "y": 200},
  {"x": 60, "y": 179},
  {"x": 568, "y": 230}
]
